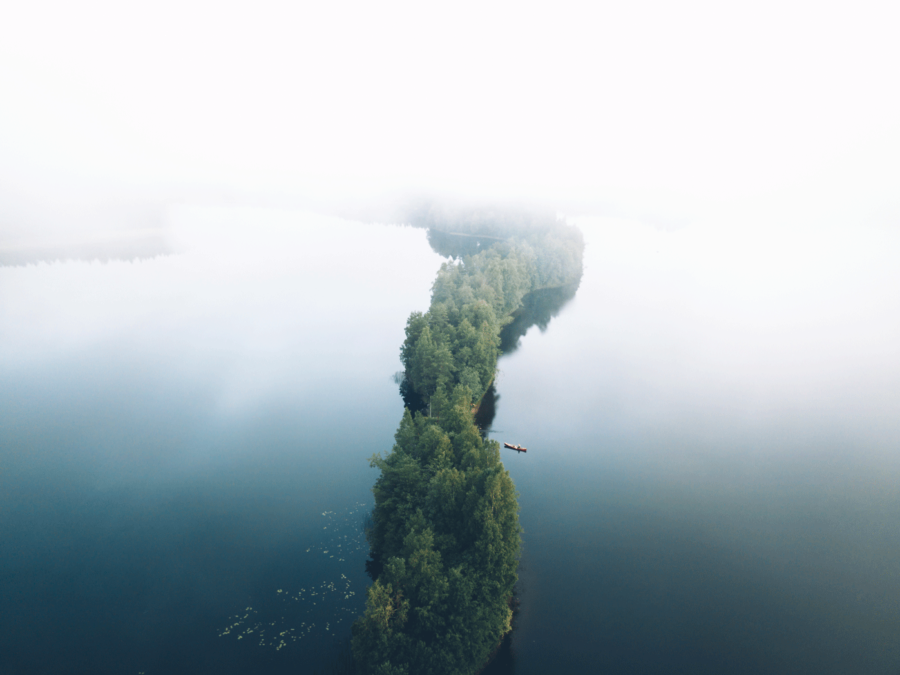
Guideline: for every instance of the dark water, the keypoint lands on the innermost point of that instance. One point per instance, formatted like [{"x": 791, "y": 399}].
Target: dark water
[
  {"x": 711, "y": 483},
  {"x": 185, "y": 445},
  {"x": 713, "y": 476}
]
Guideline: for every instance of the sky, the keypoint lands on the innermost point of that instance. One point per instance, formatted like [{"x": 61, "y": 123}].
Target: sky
[{"x": 656, "y": 110}]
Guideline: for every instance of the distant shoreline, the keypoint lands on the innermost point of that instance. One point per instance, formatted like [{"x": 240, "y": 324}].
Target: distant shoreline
[{"x": 103, "y": 246}]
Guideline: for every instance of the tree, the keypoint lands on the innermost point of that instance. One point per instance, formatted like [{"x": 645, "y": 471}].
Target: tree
[{"x": 445, "y": 531}]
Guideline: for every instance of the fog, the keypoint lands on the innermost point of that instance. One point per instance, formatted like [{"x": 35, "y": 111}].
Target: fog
[
  {"x": 747, "y": 155},
  {"x": 728, "y": 322},
  {"x": 657, "y": 112},
  {"x": 201, "y": 306},
  {"x": 246, "y": 287}
]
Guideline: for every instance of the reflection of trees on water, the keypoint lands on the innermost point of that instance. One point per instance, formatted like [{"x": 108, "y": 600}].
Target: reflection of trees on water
[
  {"x": 411, "y": 399},
  {"x": 59, "y": 229},
  {"x": 537, "y": 309},
  {"x": 457, "y": 245},
  {"x": 504, "y": 661},
  {"x": 138, "y": 245},
  {"x": 484, "y": 417}
]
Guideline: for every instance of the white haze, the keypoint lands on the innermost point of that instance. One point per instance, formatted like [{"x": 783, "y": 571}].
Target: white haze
[
  {"x": 250, "y": 292},
  {"x": 764, "y": 134},
  {"x": 768, "y": 320},
  {"x": 648, "y": 108}
]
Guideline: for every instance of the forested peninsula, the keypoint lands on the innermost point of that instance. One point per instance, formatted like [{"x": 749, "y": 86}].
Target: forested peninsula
[{"x": 445, "y": 535}]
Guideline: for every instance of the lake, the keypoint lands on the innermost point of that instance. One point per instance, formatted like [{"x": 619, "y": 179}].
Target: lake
[{"x": 711, "y": 483}]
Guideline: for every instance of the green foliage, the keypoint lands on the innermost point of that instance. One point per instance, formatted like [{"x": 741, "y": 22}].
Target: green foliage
[
  {"x": 457, "y": 340},
  {"x": 445, "y": 525}
]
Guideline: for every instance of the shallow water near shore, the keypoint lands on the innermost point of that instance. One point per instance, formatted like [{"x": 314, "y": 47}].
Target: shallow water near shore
[{"x": 710, "y": 484}]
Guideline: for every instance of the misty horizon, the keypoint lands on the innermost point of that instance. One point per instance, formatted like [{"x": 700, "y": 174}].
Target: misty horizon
[{"x": 676, "y": 227}]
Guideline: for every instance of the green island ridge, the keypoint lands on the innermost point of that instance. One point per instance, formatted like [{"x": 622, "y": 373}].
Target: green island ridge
[{"x": 445, "y": 536}]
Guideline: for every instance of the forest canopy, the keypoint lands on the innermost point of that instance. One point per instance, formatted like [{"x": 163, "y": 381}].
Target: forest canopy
[
  {"x": 475, "y": 294},
  {"x": 445, "y": 536}
]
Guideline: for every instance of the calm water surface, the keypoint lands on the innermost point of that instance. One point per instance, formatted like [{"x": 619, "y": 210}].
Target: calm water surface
[
  {"x": 185, "y": 444},
  {"x": 711, "y": 484},
  {"x": 713, "y": 476}
]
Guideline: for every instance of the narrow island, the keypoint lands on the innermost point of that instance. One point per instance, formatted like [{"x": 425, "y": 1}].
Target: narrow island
[{"x": 445, "y": 536}]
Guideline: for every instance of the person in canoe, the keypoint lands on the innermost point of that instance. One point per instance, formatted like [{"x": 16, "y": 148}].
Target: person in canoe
[{"x": 513, "y": 446}]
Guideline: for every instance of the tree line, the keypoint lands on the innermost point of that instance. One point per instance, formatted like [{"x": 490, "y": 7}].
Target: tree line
[
  {"x": 445, "y": 536},
  {"x": 457, "y": 341}
]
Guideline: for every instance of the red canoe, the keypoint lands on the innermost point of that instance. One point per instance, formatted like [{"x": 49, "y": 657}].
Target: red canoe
[{"x": 517, "y": 448}]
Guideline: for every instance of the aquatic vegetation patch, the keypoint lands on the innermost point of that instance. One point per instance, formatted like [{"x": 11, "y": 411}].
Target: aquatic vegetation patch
[{"x": 293, "y": 612}]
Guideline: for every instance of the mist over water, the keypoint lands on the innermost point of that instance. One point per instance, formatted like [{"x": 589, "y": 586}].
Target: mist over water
[
  {"x": 711, "y": 482},
  {"x": 710, "y": 485},
  {"x": 184, "y": 436}
]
